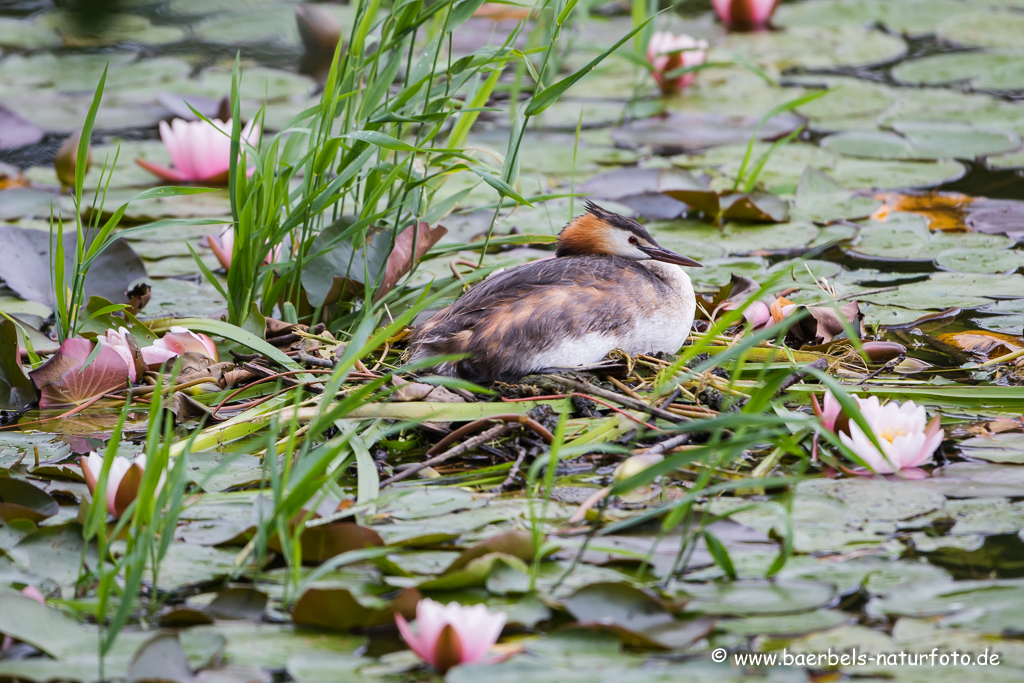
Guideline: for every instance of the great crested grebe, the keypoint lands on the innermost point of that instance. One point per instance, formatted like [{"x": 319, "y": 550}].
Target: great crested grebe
[{"x": 611, "y": 286}]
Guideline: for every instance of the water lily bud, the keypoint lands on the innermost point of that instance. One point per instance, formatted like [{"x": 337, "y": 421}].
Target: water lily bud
[
  {"x": 451, "y": 634},
  {"x": 123, "y": 479},
  {"x": 883, "y": 352},
  {"x": 67, "y": 159},
  {"x": 744, "y": 15},
  {"x": 668, "y": 52}
]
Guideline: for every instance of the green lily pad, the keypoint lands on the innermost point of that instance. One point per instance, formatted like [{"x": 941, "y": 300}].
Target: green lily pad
[
  {"x": 852, "y": 104},
  {"x": 985, "y": 606},
  {"x": 748, "y": 598},
  {"x": 785, "y": 624},
  {"x": 913, "y": 17},
  {"x": 676, "y": 133},
  {"x": 923, "y": 141},
  {"x": 739, "y": 238},
  {"x": 636, "y": 617},
  {"x": 940, "y": 105},
  {"x": 906, "y": 237},
  {"x": 967, "y": 260},
  {"x": 782, "y": 173},
  {"x": 820, "y": 198},
  {"x": 983, "y": 70},
  {"x": 876, "y": 499},
  {"x": 1014, "y": 160},
  {"x": 194, "y": 7},
  {"x": 999, "y": 448},
  {"x": 119, "y": 28},
  {"x": 27, "y": 35},
  {"x": 975, "y": 480},
  {"x": 959, "y": 290},
  {"x": 834, "y": 46},
  {"x": 984, "y": 29}
]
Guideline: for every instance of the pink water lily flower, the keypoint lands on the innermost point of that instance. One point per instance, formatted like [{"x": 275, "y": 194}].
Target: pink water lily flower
[
  {"x": 199, "y": 151},
  {"x": 744, "y": 15},
  {"x": 224, "y": 244},
  {"x": 668, "y": 52},
  {"x": 451, "y": 634},
  {"x": 179, "y": 341},
  {"x": 907, "y": 439},
  {"x": 151, "y": 355},
  {"x": 831, "y": 411},
  {"x": 123, "y": 481}
]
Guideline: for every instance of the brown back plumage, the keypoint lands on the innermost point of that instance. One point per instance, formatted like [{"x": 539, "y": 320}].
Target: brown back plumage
[{"x": 503, "y": 322}]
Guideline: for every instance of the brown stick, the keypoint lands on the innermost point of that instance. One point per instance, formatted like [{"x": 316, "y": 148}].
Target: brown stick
[
  {"x": 477, "y": 425},
  {"x": 467, "y": 445},
  {"x": 576, "y": 385}
]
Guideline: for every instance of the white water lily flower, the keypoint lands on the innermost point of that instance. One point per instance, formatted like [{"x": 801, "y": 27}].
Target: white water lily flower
[{"x": 903, "y": 431}]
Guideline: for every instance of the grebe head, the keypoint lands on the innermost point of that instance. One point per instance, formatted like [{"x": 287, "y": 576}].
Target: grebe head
[{"x": 600, "y": 232}]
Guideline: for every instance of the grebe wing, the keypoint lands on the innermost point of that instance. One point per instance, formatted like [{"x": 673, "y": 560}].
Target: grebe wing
[{"x": 514, "y": 315}]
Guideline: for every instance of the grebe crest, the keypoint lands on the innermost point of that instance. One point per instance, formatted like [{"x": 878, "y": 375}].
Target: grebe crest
[{"x": 611, "y": 286}]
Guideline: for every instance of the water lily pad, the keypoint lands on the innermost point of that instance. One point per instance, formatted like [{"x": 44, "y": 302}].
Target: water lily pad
[
  {"x": 877, "y": 499},
  {"x": 906, "y": 237},
  {"x": 785, "y": 624},
  {"x": 937, "y": 105},
  {"x": 987, "y": 70},
  {"x": 984, "y": 29},
  {"x": 852, "y": 104},
  {"x": 966, "y": 260},
  {"x": 676, "y": 133},
  {"x": 21, "y": 500},
  {"x": 782, "y": 173},
  {"x": 27, "y": 34},
  {"x": 834, "y": 46},
  {"x": 913, "y": 140},
  {"x": 999, "y": 448},
  {"x": 739, "y": 238},
  {"x": 119, "y": 28},
  {"x": 960, "y": 290},
  {"x": 748, "y": 598},
  {"x": 337, "y": 609},
  {"x": 914, "y": 17},
  {"x": 976, "y": 480},
  {"x": 636, "y": 617},
  {"x": 820, "y": 198},
  {"x": 194, "y": 7},
  {"x": 986, "y": 606}
]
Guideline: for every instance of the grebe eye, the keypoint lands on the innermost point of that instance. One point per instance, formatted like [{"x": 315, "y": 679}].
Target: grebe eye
[{"x": 633, "y": 239}]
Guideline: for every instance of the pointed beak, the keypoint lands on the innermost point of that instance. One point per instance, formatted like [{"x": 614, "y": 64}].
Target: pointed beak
[{"x": 666, "y": 256}]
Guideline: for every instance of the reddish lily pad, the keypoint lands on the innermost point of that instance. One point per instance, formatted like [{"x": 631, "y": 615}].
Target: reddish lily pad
[
  {"x": 325, "y": 541},
  {"x": 337, "y": 609},
  {"x": 62, "y": 380}
]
